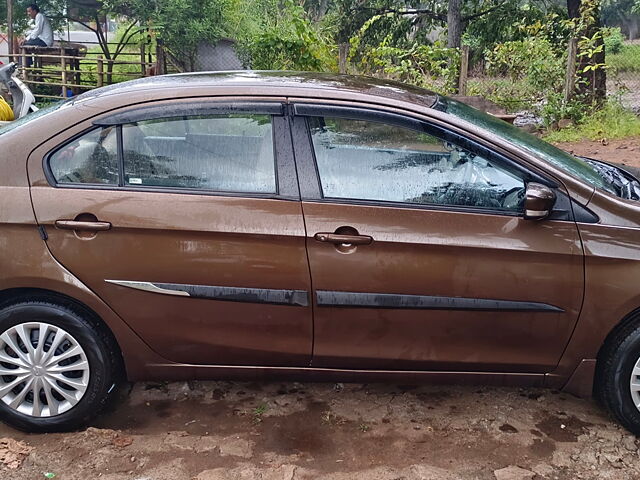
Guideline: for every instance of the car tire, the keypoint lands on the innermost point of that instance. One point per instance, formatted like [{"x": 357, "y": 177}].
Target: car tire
[
  {"x": 618, "y": 367},
  {"x": 72, "y": 386}
]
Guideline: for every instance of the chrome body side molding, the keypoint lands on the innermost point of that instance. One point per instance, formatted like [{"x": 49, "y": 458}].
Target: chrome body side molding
[
  {"x": 147, "y": 287},
  {"x": 230, "y": 294}
]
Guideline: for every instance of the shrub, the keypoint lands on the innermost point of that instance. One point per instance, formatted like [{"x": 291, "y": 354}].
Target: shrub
[
  {"x": 292, "y": 43},
  {"x": 430, "y": 66},
  {"x": 613, "y": 39},
  {"x": 556, "y": 108},
  {"x": 532, "y": 59},
  {"x": 513, "y": 95}
]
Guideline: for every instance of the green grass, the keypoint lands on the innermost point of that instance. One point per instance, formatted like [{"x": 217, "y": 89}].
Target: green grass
[
  {"x": 119, "y": 70},
  {"x": 258, "y": 412},
  {"x": 628, "y": 60},
  {"x": 612, "y": 121}
]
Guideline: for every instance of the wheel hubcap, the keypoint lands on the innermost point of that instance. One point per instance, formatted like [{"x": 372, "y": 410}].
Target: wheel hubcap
[
  {"x": 43, "y": 370},
  {"x": 634, "y": 384}
]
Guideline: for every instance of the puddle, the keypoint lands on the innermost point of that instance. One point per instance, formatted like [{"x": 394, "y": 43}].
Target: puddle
[{"x": 563, "y": 429}]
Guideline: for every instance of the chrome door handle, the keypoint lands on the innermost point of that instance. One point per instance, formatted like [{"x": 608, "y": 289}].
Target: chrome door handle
[
  {"x": 343, "y": 239},
  {"x": 83, "y": 226}
]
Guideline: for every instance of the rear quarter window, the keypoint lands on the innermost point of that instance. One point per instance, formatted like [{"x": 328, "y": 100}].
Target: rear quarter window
[{"x": 91, "y": 159}]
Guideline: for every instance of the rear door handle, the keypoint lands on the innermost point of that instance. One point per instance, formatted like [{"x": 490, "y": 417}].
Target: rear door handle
[
  {"x": 83, "y": 226},
  {"x": 343, "y": 239}
]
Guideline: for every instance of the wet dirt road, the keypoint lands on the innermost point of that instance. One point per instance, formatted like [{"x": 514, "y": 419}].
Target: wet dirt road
[
  {"x": 625, "y": 151},
  {"x": 289, "y": 431}
]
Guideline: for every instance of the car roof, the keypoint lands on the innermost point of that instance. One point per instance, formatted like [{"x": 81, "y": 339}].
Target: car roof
[{"x": 316, "y": 83}]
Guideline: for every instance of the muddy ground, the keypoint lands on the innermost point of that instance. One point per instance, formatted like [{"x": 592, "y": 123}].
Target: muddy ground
[
  {"x": 626, "y": 152},
  {"x": 294, "y": 431},
  {"x": 288, "y": 431}
]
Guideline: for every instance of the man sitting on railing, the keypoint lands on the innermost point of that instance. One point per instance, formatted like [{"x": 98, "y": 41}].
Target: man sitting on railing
[{"x": 42, "y": 34}]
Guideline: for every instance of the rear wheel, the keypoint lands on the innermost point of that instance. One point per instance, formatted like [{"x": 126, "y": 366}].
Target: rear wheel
[
  {"x": 57, "y": 369},
  {"x": 618, "y": 377}
]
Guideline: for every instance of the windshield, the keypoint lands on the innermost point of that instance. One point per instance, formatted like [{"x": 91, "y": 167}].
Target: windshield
[
  {"x": 532, "y": 144},
  {"x": 31, "y": 116}
]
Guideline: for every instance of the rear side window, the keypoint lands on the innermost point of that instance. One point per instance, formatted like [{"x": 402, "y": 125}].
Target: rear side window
[
  {"x": 91, "y": 159},
  {"x": 231, "y": 153},
  {"x": 373, "y": 161},
  {"x": 224, "y": 153}
]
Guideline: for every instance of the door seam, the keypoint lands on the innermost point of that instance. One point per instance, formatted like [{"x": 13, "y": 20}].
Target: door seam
[{"x": 289, "y": 115}]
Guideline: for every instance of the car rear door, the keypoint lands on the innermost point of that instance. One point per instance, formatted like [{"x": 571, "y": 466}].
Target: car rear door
[
  {"x": 184, "y": 216},
  {"x": 420, "y": 256}
]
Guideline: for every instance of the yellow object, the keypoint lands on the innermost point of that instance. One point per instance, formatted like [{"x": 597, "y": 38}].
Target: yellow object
[{"x": 6, "y": 113}]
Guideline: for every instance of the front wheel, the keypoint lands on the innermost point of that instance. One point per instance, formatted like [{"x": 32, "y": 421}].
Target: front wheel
[
  {"x": 57, "y": 369},
  {"x": 618, "y": 377}
]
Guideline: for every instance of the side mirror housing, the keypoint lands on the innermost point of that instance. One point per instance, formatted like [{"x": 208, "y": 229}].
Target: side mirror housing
[{"x": 539, "y": 201}]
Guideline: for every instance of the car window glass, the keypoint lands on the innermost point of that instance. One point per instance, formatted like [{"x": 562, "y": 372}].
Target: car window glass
[
  {"x": 92, "y": 159},
  {"x": 367, "y": 160},
  {"x": 215, "y": 152},
  {"x": 533, "y": 144}
]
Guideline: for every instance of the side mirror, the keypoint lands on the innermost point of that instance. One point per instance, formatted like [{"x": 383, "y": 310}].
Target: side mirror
[{"x": 539, "y": 201}]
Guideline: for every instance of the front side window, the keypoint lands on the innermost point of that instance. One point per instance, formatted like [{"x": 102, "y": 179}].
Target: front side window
[
  {"x": 365, "y": 160},
  {"x": 91, "y": 159},
  {"x": 232, "y": 153}
]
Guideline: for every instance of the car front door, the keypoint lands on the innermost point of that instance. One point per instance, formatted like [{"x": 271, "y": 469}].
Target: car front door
[
  {"x": 420, "y": 256},
  {"x": 185, "y": 218}
]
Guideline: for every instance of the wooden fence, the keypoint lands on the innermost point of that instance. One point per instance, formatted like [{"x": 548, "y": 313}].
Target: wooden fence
[{"x": 67, "y": 70}]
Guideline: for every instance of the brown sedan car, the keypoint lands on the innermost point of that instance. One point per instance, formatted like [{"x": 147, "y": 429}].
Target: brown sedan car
[{"x": 293, "y": 225}]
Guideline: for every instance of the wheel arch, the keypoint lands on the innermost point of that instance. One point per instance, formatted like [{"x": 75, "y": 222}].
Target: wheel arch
[
  {"x": 135, "y": 355},
  {"x": 629, "y": 318},
  {"x": 12, "y": 296},
  {"x": 632, "y": 316}
]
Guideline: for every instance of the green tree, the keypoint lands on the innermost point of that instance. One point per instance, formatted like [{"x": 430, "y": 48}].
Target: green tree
[
  {"x": 182, "y": 24},
  {"x": 20, "y": 19},
  {"x": 585, "y": 23},
  {"x": 621, "y": 13},
  {"x": 283, "y": 37},
  {"x": 517, "y": 22}
]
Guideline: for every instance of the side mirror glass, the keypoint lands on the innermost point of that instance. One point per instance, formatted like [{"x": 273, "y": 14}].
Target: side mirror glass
[{"x": 539, "y": 201}]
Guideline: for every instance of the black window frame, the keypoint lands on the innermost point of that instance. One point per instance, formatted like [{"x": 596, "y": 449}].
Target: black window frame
[
  {"x": 310, "y": 184},
  {"x": 284, "y": 164}
]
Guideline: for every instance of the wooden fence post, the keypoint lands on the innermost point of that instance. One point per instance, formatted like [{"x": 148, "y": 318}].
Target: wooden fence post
[
  {"x": 570, "y": 79},
  {"x": 63, "y": 67},
  {"x": 10, "y": 28},
  {"x": 23, "y": 55},
  {"x": 143, "y": 67},
  {"x": 100, "y": 71},
  {"x": 464, "y": 70},
  {"x": 160, "y": 58}
]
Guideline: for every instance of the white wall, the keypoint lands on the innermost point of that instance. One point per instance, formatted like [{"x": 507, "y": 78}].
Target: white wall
[{"x": 4, "y": 49}]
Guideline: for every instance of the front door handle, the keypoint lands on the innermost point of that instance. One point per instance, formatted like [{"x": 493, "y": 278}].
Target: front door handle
[
  {"x": 83, "y": 226},
  {"x": 343, "y": 239}
]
